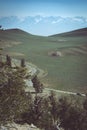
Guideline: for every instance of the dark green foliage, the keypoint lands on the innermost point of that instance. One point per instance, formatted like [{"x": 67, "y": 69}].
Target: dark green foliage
[
  {"x": 38, "y": 113},
  {"x": 71, "y": 120},
  {"x": 1, "y": 48},
  {"x": 44, "y": 112},
  {"x": 13, "y": 99},
  {"x": 22, "y": 62},
  {"x": 54, "y": 107},
  {"x": 37, "y": 85},
  {"x": 72, "y": 115},
  {"x": 85, "y": 104},
  {"x": 8, "y": 60},
  {"x": 51, "y": 112}
]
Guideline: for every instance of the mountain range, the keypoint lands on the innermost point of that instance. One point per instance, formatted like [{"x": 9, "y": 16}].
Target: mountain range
[{"x": 44, "y": 25}]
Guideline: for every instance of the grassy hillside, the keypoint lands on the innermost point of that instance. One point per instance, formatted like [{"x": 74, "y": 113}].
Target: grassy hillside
[
  {"x": 67, "y": 71},
  {"x": 75, "y": 33}
]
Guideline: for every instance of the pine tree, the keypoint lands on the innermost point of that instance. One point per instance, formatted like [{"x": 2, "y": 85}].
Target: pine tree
[
  {"x": 13, "y": 99},
  {"x": 8, "y": 60},
  {"x": 22, "y": 62},
  {"x": 37, "y": 85}
]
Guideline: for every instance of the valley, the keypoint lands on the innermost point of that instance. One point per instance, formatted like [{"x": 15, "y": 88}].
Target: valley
[{"x": 65, "y": 72}]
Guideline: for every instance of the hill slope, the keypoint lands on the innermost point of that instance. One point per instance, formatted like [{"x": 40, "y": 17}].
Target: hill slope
[
  {"x": 65, "y": 72},
  {"x": 11, "y": 34},
  {"x": 12, "y": 37},
  {"x": 75, "y": 33}
]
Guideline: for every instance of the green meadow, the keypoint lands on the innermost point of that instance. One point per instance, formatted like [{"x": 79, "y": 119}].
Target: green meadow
[{"x": 67, "y": 71}]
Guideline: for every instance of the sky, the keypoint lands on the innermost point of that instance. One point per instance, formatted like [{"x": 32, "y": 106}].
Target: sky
[{"x": 43, "y": 17}]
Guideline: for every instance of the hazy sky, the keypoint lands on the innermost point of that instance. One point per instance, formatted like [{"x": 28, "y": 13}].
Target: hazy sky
[{"x": 43, "y": 8}]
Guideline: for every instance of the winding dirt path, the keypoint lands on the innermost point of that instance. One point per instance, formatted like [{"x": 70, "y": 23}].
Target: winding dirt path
[
  {"x": 33, "y": 69},
  {"x": 64, "y": 92}
]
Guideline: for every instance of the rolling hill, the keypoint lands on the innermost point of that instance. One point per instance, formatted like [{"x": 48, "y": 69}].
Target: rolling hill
[
  {"x": 63, "y": 56},
  {"x": 75, "y": 33},
  {"x": 12, "y": 34}
]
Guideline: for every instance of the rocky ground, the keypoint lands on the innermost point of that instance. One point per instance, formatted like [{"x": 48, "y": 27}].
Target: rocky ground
[{"x": 19, "y": 127}]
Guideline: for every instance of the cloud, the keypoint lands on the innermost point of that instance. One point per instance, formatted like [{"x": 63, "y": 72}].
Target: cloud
[
  {"x": 78, "y": 19},
  {"x": 37, "y": 20},
  {"x": 21, "y": 19},
  {"x": 44, "y": 25},
  {"x": 57, "y": 21}
]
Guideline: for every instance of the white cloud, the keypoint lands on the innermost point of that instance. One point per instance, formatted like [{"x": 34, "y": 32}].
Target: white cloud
[
  {"x": 37, "y": 20},
  {"x": 49, "y": 24},
  {"x": 78, "y": 19},
  {"x": 21, "y": 19},
  {"x": 56, "y": 21}
]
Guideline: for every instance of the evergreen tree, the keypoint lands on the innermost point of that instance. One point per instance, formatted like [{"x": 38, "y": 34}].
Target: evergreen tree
[
  {"x": 37, "y": 85},
  {"x": 13, "y": 99},
  {"x": 22, "y": 62},
  {"x": 54, "y": 108},
  {"x": 8, "y": 60}
]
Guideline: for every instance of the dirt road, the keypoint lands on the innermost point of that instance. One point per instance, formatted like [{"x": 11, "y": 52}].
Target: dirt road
[{"x": 65, "y": 92}]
